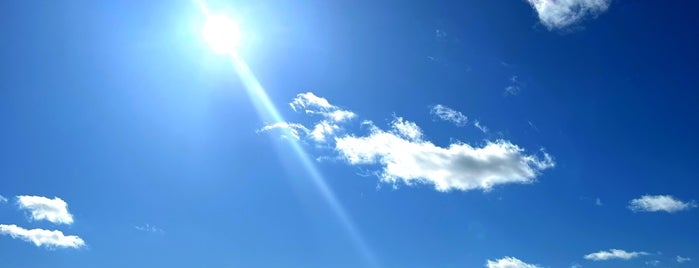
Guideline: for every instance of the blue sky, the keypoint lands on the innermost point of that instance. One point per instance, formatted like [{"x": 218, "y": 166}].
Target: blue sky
[{"x": 519, "y": 133}]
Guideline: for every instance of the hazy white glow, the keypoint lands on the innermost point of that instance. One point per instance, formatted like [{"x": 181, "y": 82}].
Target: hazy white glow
[{"x": 221, "y": 33}]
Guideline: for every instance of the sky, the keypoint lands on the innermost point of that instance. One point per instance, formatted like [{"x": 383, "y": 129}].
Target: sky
[{"x": 498, "y": 134}]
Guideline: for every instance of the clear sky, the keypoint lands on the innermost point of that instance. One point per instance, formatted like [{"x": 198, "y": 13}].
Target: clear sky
[{"x": 499, "y": 134}]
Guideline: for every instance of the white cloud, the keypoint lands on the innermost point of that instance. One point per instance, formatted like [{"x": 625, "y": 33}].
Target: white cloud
[
  {"x": 655, "y": 203},
  {"x": 614, "y": 254},
  {"x": 41, "y": 208},
  {"x": 559, "y": 14},
  {"x": 323, "y": 130},
  {"x": 681, "y": 259},
  {"x": 448, "y": 114},
  {"x": 478, "y": 125},
  {"x": 292, "y": 129},
  {"x": 509, "y": 262},
  {"x": 653, "y": 263},
  {"x": 407, "y": 129},
  {"x": 312, "y": 104},
  {"x": 3, "y": 199},
  {"x": 149, "y": 229},
  {"x": 598, "y": 202},
  {"x": 515, "y": 86},
  {"x": 456, "y": 167},
  {"x": 41, "y": 237},
  {"x": 405, "y": 156}
]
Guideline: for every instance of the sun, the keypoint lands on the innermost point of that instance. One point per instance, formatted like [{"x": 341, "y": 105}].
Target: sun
[{"x": 222, "y": 34}]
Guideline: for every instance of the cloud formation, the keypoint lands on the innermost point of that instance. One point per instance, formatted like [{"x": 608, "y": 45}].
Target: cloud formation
[
  {"x": 149, "y": 229},
  {"x": 560, "y": 14},
  {"x": 3, "y": 199},
  {"x": 41, "y": 208},
  {"x": 404, "y": 155},
  {"x": 509, "y": 262},
  {"x": 515, "y": 86},
  {"x": 458, "y": 166},
  {"x": 656, "y": 203},
  {"x": 41, "y": 237},
  {"x": 480, "y": 126},
  {"x": 312, "y": 104},
  {"x": 614, "y": 254},
  {"x": 450, "y": 115},
  {"x": 291, "y": 129},
  {"x": 681, "y": 259}
]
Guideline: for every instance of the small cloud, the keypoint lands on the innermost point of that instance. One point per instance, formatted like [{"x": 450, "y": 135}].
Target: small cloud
[
  {"x": 681, "y": 259},
  {"x": 533, "y": 126},
  {"x": 557, "y": 14},
  {"x": 440, "y": 34},
  {"x": 450, "y": 115},
  {"x": 509, "y": 262},
  {"x": 312, "y": 104},
  {"x": 479, "y": 126},
  {"x": 598, "y": 202},
  {"x": 653, "y": 263},
  {"x": 40, "y": 237},
  {"x": 149, "y": 229},
  {"x": 512, "y": 90},
  {"x": 3, "y": 199},
  {"x": 515, "y": 86},
  {"x": 656, "y": 203},
  {"x": 576, "y": 265},
  {"x": 614, "y": 254},
  {"x": 41, "y": 208},
  {"x": 291, "y": 129}
]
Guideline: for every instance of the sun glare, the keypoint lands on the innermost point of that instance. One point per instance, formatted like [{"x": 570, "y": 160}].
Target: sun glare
[{"x": 222, "y": 34}]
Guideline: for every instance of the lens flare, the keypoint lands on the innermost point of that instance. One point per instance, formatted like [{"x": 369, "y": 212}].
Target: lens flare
[
  {"x": 221, "y": 33},
  {"x": 223, "y": 36}
]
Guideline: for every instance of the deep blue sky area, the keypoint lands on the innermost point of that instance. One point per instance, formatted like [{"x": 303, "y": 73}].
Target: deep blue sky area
[{"x": 562, "y": 143}]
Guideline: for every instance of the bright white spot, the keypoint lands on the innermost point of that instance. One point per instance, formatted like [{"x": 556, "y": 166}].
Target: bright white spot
[{"x": 222, "y": 34}]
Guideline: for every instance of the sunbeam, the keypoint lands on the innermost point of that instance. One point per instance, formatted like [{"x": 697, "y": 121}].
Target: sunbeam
[{"x": 269, "y": 113}]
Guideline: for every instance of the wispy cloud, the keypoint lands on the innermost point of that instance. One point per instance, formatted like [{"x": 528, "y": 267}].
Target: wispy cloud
[
  {"x": 149, "y": 229},
  {"x": 560, "y": 14},
  {"x": 614, "y": 254},
  {"x": 312, "y": 104},
  {"x": 41, "y": 208},
  {"x": 448, "y": 114},
  {"x": 509, "y": 262},
  {"x": 291, "y": 129},
  {"x": 681, "y": 259},
  {"x": 41, "y": 237},
  {"x": 515, "y": 86},
  {"x": 3, "y": 199},
  {"x": 653, "y": 263},
  {"x": 333, "y": 115},
  {"x": 598, "y": 202},
  {"x": 480, "y": 126},
  {"x": 656, "y": 203}
]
